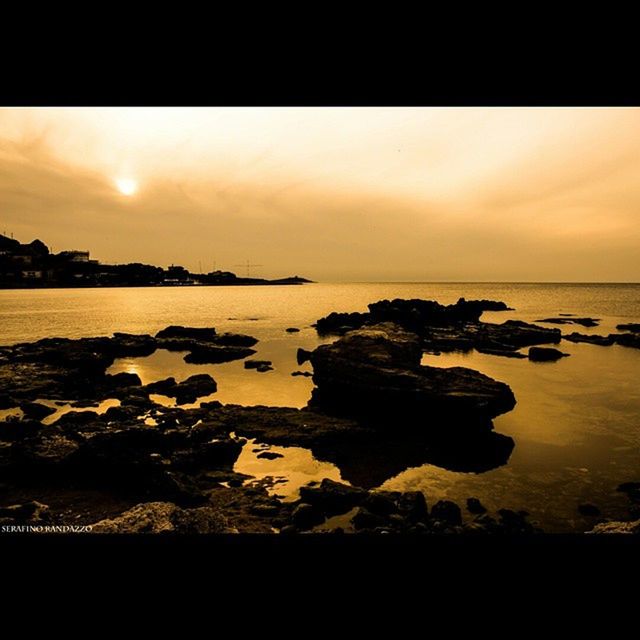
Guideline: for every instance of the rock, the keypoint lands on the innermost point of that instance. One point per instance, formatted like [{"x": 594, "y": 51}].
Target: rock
[
  {"x": 585, "y": 322},
  {"x": 11, "y": 430},
  {"x": 302, "y": 356},
  {"x": 501, "y": 352},
  {"x": 256, "y": 364},
  {"x": 292, "y": 330},
  {"x": 164, "y": 517},
  {"x": 545, "y": 354},
  {"x": 380, "y": 503},
  {"x": 514, "y": 521},
  {"x": 31, "y": 513},
  {"x": 306, "y": 516},
  {"x": 125, "y": 345},
  {"x": 269, "y": 455},
  {"x": 235, "y": 340},
  {"x": 617, "y": 527},
  {"x": 632, "y": 327},
  {"x": 626, "y": 339},
  {"x": 332, "y": 497},
  {"x": 263, "y": 368},
  {"x": 221, "y": 453},
  {"x": 447, "y": 511},
  {"x": 602, "y": 341},
  {"x": 187, "y": 391},
  {"x": 588, "y": 510},
  {"x": 375, "y": 373},
  {"x": 123, "y": 380},
  {"x": 364, "y": 519},
  {"x": 306, "y": 374},
  {"x": 475, "y": 506},
  {"x": 288, "y": 529},
  {"x": 36, "y": 411},
  {"x": 413, "y": 506},
  {"x": 340, "y": 323},
  {"x": 213, "y": 354}
]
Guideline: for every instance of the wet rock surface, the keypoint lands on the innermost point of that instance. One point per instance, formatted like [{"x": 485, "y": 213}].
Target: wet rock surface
[
  {"x": 603, "y": 341},
  {"x": 164, "y": 517},
  {"x": 631, "y": 327},
  {"x": 545, "y": 354},
  {"x": 585, "y": 322},
  {"x": 375, "y": 373}
]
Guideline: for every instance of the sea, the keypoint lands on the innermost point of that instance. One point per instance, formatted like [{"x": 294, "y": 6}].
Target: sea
[{"x": 576, "y": 424}]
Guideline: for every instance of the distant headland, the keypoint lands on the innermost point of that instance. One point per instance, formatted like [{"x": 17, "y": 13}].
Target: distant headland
[{"x": 33, "y": 266}]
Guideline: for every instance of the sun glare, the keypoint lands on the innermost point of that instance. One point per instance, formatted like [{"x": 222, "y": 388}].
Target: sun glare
[{"x": 126, "y": 186}]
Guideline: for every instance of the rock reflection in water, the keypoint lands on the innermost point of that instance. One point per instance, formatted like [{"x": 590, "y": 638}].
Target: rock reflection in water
[{"x": 370, "y": 464}]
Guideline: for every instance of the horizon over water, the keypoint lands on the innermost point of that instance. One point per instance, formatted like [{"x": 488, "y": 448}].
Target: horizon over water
[{"x": 576, "y": 425}]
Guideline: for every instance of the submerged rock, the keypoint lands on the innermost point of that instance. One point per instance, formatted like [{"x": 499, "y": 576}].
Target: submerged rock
[
  {"x": 375, "y": 373},
  {"x": 545, "y": 354},
  {"x": 585, "y": 322}
]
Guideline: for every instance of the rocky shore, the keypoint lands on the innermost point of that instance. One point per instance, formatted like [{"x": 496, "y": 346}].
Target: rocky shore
[{"x": 374, "y": 411}]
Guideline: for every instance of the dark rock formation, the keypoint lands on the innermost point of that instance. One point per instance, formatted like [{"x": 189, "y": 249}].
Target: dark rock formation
[
  {"x": 447, "y": 511},
  {"x": 632, "y": 327},
  {"x": 26, "y": 513},
  {"x": 413, "y": 315},
  {"x": 306, "y": 374},
  {"x": 36, "y": 411},
  {"x": 205, "y": 345},
  {"x": 585, "y": 322},
  {"x": 292, "y": 330},
  {"x": 603, "y": 341},
  {"x": 164, "y": 517},
  {"x": 187, "y": 391},
  {"x": 332, "y": 497},
  {"x": 545, "y": 354},
  {"x": 257, "y": 364},
  {"x": 269, "y": 455},
  {"x": 375, "y": 373},
  {"x": 305, "y": 516},
  {"x": 475, "y": 506},
  {"x": 627, "y": 339}
]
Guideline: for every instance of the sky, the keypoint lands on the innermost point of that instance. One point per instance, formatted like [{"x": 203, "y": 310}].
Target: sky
[{"x": 333, "y": 194}]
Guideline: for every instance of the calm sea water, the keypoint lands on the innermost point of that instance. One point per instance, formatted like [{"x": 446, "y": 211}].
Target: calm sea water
[{"x": 576, "y": 424}]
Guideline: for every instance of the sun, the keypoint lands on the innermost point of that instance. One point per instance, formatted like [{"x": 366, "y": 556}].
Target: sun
[{"x": 126, "y": 186}]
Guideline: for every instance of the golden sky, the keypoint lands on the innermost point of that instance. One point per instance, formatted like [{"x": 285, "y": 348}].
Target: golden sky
[{"x": 419, "y": 194}]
